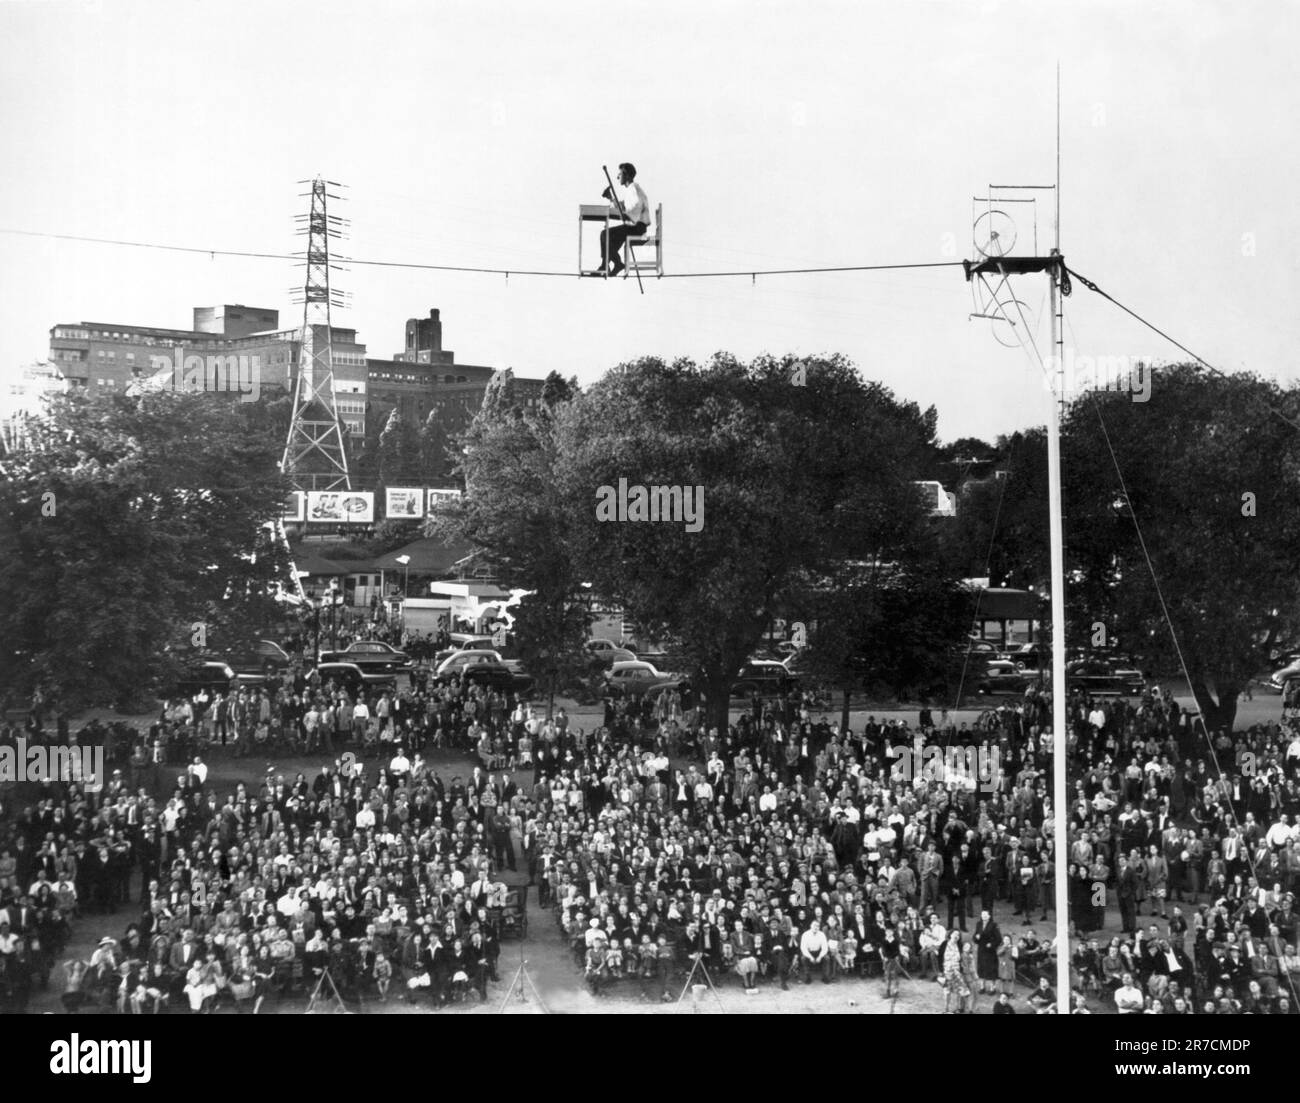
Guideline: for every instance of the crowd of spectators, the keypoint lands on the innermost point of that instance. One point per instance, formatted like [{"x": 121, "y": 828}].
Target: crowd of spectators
[
  {"x": 787, "y": 852},
  {"x": 782, "y": 851},
  {"x": 1193, "y": 839}
]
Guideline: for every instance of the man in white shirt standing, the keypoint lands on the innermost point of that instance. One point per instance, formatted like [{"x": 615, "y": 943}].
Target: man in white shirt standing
[
  {"x": 636, "y": 212},
  {"x": 360, "y": 718}
]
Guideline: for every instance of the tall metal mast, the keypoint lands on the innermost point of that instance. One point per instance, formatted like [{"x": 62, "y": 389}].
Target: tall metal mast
[
  {"x": 1057, "y": 530},
  {"x": 995, "y": 234}
]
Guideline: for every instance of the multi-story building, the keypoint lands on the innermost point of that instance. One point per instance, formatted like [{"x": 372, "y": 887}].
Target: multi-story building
[
  {"x": 424, "y": 378},
  {"x": 102, "y": 357}
]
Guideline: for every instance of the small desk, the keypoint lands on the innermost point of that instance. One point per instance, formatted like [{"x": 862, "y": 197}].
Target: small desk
[{"x": 593, "y": 212}]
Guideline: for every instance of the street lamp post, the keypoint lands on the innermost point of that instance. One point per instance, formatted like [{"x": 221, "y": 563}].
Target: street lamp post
[
  {"x": 405, "y": 561},
  {"x": 334, "y": 604}
]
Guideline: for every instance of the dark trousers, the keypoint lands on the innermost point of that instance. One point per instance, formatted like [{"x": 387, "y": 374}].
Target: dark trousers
[
  {"x": 1128, "y": 914},
  {"x": 957, "y": 910},
  {"x": 616, "y": 236}
]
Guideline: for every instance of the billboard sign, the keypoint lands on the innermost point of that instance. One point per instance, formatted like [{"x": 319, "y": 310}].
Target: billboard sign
[
  {"x": 404, "y": 502},
  {"x": 348, "y": 507}
]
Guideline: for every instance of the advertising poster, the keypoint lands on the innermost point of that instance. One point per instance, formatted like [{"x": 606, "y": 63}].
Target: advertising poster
[
  {"x": 403, "y": 502},
  {"x": 442, "y": 497},
  {"x": 295, "y": 506},
  {"x": 348, "y": 507}
]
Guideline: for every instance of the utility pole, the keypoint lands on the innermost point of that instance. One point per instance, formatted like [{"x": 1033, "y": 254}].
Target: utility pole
[{"x": 1056, "y": 522}]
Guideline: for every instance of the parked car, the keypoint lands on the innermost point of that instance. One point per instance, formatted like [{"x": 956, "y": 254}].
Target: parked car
[
  {"x": 372, "y": 656},
  {"x": 502, "y": 676},
  {"x": 352, "y": 677},
  {"x": 1105, "y": 676},
  {"x": 632, "y": 679},
  {"x": 766, "y": 677},
  {"x": 213, "y": 675},
  {"x": 1029, "y": 656},
  {"x": 264, "y": 658},
  {"x": 460, "y": 661},
  {"x": 607, "y": 653},
  {"x": 461, "y": 641},
  {"x": 999, "y": 676}
]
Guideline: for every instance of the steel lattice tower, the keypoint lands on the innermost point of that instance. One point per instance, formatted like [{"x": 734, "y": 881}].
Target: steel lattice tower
[{"x": 314, "y": 453}]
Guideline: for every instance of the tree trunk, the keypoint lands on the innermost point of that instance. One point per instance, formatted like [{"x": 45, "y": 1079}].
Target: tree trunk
[
  {"x": 1218, "y": 715},
  {"x": 844, "y": 710},
  {"x": 717, "y": 712}
]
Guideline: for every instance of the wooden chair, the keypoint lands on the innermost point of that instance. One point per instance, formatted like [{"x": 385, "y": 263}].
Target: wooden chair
[{"x": 654, "y": 238}]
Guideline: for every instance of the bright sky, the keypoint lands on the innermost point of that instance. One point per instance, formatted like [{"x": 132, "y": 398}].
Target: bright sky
[{"x": 774, "y": 134}]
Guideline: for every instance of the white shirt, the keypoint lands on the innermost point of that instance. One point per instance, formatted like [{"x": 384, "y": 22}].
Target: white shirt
[
  {"x": 933, "y": 937},
  {"x": 813, "y": 944},
  {"x": 1128, "y": 1000},
  {"x": 200, "y": 771},
  {"x": 634, "y": 201},
  {"x": 1278, "y": 835}
]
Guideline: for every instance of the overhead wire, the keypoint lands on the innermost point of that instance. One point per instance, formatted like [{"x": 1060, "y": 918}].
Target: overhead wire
[
  {"x": 1091, "y": 286},
  {"x": 252, "y": 255}
]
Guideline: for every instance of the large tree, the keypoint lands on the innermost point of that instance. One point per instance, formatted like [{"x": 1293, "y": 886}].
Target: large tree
[
  {"x": 1210, "y": 469},
  {"x": 1001, "y": 527},
  {"x": 1208, "y": 474},
  {"x": 514, "y": 512},
  {"x": 399, "y": 451},
  {"x": 889, "y": 628},
  {"x": 129, "y": 533},
  {"x": 805, "y": 470},
  {"x": 436, "y": 464}
]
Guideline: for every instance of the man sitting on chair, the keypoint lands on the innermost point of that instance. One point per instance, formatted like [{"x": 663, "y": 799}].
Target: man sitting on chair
[{"x": 636, "y": 211}]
